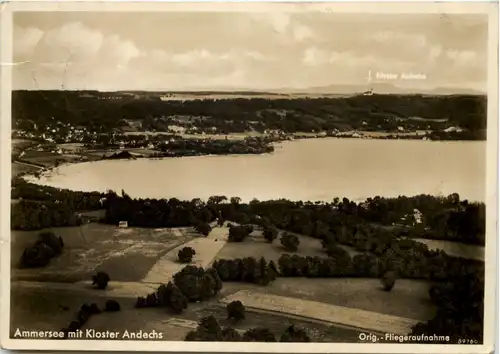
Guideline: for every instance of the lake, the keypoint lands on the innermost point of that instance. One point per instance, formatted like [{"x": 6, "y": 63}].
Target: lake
[{"x": 311, "y": 169}]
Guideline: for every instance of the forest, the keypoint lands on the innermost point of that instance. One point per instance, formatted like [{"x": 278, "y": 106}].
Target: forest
[
  {"x": 377, "y": 112},
  {"x": 424, "y": 216}
]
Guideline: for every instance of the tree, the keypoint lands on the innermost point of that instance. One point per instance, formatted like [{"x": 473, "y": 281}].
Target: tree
[
  {"x": 208, "y": 285},
  {"x": 94, "y": 309},
  {"x": 216, "y": 199},
  {"x": 272, "y": 266},
  {"x": 238, "y": 233},
  {"x": 231, "y": 335},
  {"x": 235, "y": 310},
  {"x": 290, "y": 242},
  {"x": 190, "y": 286},
  {"x": 74, "y": 325},
  {"x": 36, "y": 256},
  {"x": 249, "y": 228},
  {"x": 388, "y": 280},
  {"x": 259, "y": 335},
  {"x": 235, "y": 200},
  {"x": 223, "y": 269},
  {"x": 176, "y": 299},
  {"x": 270, "y": 234},
  {"x": 83, "y": 314},
  {"x": 186, "y": 254},
  {"x": 215, "y": 276},
  {"x": 162, "y": 295},
  {"x": 54, "y": 242},
  {"x": 196, "y": 283},
  {"x": 293, "y": 334},
  {"x": 203, "y": 228},
  {"x": 208, "y": 329},
  {"x": 112, "y": 306},
  {"x": 249, "y": 270},
  {"x": 47, "y": 246},
  {"x": 365, "y": 265},
  {"x": 100, "y": 280}
]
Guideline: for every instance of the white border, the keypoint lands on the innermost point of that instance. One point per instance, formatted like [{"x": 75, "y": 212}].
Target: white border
[{"x": 489, "y": 8}]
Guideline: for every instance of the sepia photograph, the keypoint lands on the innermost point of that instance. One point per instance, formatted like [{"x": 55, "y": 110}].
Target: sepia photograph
[{"x": 255, "y": 177}]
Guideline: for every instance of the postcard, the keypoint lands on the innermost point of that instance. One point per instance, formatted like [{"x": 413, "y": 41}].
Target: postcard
[{"x": 249, "y": 177}]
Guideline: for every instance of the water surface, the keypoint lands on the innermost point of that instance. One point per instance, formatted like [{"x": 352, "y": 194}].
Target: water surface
[{"x": 312, "y": 169}]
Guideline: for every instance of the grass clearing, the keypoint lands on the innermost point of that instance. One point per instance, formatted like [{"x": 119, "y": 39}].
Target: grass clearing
[
  {"x": 256, "y": 246},
  {"x": 126, "y": 254}
]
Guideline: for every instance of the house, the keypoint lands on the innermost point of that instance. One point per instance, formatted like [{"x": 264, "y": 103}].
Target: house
[
  {"x": 417, "y": 216},
  {"x": 123, "y": 224}
]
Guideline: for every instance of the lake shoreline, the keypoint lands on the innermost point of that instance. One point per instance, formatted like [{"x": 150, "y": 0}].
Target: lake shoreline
[
  {"x": 296, "y": 154},
  {"x": 268, "y": 145}
]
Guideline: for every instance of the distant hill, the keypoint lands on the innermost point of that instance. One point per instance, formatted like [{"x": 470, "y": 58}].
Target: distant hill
[
  {"x": 383, "y": 89},
  {"x": 337, "y": 89}
]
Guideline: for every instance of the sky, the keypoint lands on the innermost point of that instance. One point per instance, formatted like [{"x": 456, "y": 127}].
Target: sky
[{"x": 243, "y": 50}]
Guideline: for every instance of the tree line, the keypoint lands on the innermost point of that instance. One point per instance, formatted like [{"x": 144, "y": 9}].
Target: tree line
[
  {"x": 209, "y": 330},
  {"x": 241, "y": 114},
  {"x": 190, "y": 284},
  {"x": 356, "y": 224},
  {"x": 21, "y": 189}
]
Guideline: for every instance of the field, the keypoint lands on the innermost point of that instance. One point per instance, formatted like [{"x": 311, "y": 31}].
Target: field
[
  {"x": 370, "y": 320},
  {"x": 409, "y": 299},
  {"x": 18, "y": 167},
  {"x": 48, "y": 159},
  {"x": 18, "y": 145},
  {"x": 332, "y": 310},
  {"x": 256, "y": 246},
  {"x": 126, "y": 254},
  {"x": 53, "y": 309}
]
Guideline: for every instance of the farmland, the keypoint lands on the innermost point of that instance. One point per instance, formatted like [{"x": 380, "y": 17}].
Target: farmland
[
  {"x": 137, "y": 259},
  {"x": 324, "y": 287},
  {"x": 91, "y": 247}
]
